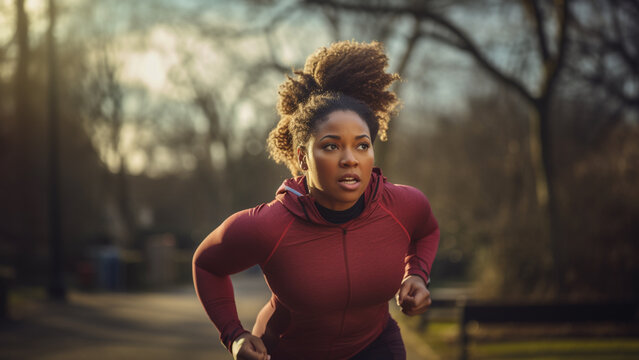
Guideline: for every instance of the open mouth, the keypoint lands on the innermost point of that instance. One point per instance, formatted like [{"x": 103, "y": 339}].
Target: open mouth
[{"x": 349, "y": 179}]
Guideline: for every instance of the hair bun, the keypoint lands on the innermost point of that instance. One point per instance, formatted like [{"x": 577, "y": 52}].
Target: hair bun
[
  {"x": 348, "y": 67},
  {"x": 294, "y": 92},
  {"x": 354, "y": 69}
]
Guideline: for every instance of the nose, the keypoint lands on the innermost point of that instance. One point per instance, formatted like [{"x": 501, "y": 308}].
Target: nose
[{"x": 348, "y": 159}]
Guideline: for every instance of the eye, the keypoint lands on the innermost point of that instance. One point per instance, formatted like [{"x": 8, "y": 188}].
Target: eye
[
  {"x": 363, "y": 146},
  {"x": 329, "y": 147}
]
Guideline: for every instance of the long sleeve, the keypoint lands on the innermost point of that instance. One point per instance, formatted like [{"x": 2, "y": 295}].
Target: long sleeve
[
  {"x": 424, "y": 242},
  {"x": 414, "y": 211},
  {"x": 232, "y": 247}
]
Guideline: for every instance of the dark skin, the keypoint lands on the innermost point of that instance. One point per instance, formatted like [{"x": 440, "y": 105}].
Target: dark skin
[
  {"x": 413, "y": 298},
  {"x": 339, "y": 146},
  {"x": 249, "y": 347}
]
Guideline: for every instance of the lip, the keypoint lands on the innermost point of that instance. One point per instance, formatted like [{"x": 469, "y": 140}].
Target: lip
[
  {"x": 345, "y": 176},
  {"x": 349, "y": 187}
]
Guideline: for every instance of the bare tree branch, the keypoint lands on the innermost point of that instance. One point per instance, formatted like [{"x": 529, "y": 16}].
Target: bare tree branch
[
  {"x": 553, "y": 65},
  {"x": 274, "y": 63},
  {"x": 618, "y": 44},
  {"x": 5, "y": 48},
  {"x": 410, "y": 47},
  {"x": 465, "y": 42},
  {"x": 596, "y": 44},
  {"x": 276, "y": 19},
  {"x": 542, "y": 41}
]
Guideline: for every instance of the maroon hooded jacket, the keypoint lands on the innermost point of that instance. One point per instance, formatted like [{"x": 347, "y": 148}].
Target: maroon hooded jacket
[{"x": 331, "y": 283}]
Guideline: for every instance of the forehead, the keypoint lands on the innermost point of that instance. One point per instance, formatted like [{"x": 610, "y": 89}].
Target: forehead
[{"x": 342, "y": 121}]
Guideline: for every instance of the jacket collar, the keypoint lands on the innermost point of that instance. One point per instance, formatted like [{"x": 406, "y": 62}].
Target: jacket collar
[{"x": 292, "y": 194}]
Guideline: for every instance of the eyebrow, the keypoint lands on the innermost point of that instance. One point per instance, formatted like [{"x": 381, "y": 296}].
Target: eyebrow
[{"x": 337, "y": 137}]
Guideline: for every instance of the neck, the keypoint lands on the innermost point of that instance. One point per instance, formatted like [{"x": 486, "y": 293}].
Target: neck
[{"x": 340, "y": 217}]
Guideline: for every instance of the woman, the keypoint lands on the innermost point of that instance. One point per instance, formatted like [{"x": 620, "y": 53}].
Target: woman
[{"x": 339, "y": 241}]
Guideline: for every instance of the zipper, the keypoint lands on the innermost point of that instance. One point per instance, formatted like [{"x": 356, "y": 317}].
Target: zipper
[
  {"x": 348, "y": 276},
  {"x": 348, "y": 288}
]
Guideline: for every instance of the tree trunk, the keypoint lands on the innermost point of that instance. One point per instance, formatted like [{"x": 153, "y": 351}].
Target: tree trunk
[
  {"x": 125, "y": 205},
  {"x": 56, "y": 290},
  {"x": 23, "y": 145},
  {"x": 541, "y": 153}
]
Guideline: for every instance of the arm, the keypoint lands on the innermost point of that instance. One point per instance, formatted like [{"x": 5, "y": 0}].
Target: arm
[
  {"x": 424, "y": 241},
  {"x": 232, "y": 247},
  {"x": 413, "y": 296}
]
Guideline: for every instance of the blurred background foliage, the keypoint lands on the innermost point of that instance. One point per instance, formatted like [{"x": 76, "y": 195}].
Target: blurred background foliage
[{"x": 519, "y": 122}]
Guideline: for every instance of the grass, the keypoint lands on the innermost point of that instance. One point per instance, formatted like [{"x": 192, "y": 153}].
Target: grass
[
  {"x": 442, "y": 337},
  {"x": 568, "y": 348}
]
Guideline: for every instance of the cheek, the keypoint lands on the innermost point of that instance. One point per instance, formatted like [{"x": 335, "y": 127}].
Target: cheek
[
  {"x": 368, "y": 159},
  {"x": 324, "y": 167}
]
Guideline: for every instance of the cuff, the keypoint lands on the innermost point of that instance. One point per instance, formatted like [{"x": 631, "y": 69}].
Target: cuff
[
  {"x": 422, "y": 274},
  {"x": 228, "y": 341}
]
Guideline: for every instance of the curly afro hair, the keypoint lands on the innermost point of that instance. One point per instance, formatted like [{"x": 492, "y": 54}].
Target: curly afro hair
[{"x": 344, "y": 76}]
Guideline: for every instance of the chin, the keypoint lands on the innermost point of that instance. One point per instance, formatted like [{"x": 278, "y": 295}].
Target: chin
[{"x": 351, "y": 197}]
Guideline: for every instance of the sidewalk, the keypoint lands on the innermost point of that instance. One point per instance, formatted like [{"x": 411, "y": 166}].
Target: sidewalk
[{"x": 164, "y": 325}]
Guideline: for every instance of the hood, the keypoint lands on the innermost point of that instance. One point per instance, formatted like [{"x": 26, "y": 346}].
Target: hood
[{"x": 292, "y": 194}]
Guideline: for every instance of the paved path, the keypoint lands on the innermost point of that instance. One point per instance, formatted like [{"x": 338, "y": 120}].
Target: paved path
[{"x": 165, "y": 325}]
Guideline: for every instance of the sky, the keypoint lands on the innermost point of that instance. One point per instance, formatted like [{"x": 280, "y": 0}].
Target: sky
[{"x": 162, "y": 50}]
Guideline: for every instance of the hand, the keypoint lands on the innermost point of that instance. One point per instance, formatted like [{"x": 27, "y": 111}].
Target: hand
[
  {"x": 249, "y": 347},
  {"x": 413, "y": 297}
]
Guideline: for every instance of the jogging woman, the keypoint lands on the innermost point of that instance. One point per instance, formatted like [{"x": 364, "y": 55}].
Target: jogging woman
[{"x": 339, "y": 240}]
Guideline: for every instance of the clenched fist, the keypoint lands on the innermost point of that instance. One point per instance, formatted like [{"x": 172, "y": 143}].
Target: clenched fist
[
  {"x": 413, "y": 297},
  {"x": 249, "y": 347}
]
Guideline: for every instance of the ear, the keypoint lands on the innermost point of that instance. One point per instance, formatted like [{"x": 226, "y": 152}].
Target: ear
[{"x": 301, "y": 158}]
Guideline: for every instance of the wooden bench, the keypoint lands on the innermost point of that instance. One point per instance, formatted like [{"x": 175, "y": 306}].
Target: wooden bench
[
  {"x": 493, "y": 313},
  {"x": 439, "y": 303}
]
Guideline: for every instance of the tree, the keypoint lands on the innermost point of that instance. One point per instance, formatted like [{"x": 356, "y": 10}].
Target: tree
[
  {"x": 106, "y": 114},
  {"x": 23, "y": 144},
  {"x": 550, "y": 48},
  {"x": 606, "y": 58},
  {"x": 57, "y": 287}
]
